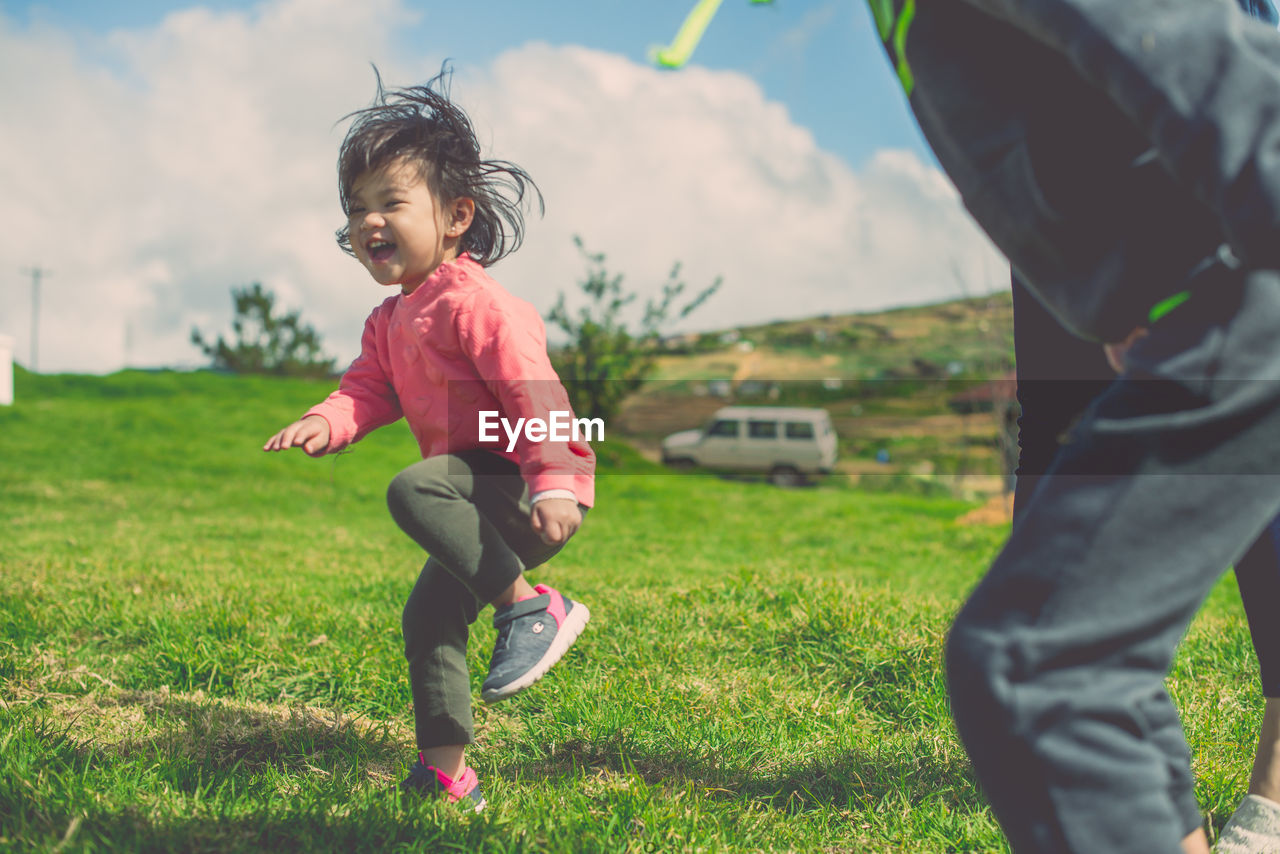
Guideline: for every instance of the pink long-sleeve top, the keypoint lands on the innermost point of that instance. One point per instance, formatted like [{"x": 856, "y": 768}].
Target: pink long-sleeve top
[{"x": 458, "y": 345}]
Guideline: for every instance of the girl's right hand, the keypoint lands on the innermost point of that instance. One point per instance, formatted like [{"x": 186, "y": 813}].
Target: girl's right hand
[
  {"x": 555, "y": 519},
  {"x": 311, "y": 434}
]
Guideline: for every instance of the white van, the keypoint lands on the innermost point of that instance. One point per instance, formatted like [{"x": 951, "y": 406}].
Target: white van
[{"x": 789, "y": 443}]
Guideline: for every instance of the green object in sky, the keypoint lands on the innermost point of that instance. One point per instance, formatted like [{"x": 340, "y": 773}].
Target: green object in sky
[{"x": 690, "y": 33}]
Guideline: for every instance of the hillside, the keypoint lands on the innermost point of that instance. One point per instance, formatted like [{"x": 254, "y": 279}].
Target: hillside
[{"x": 885, "y": 377}]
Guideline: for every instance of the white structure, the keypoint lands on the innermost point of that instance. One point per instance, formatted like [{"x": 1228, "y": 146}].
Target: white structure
[{"x": 6, "y": 370}]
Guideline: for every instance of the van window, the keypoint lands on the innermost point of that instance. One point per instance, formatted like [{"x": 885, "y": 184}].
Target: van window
[
  {"x": 799, "y": 430},
  {"x": 762, "y": 429},
  {"x": 723, "y": 428}
]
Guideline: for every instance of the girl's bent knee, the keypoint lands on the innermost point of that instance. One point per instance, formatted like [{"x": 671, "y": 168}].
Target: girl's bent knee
[
  {"x": 417, "y": 486},
  {"x": 400, "y": 494}
]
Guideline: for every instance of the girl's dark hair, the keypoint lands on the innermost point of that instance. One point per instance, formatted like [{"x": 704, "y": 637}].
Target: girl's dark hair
[{"x": 423, "y": 125}]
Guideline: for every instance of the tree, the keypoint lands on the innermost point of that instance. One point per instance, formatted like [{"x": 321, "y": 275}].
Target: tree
[
  {"x": 604, "y": 361},
  {"x": 266, "y": 343}
]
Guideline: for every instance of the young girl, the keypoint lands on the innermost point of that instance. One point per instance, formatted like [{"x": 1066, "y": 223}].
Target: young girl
[{"x": 453, "y": 352}]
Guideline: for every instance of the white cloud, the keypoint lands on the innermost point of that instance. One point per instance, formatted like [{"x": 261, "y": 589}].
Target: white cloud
[
  {"x": 151, "y": 171},
  {"x": 652, "y": 167}
]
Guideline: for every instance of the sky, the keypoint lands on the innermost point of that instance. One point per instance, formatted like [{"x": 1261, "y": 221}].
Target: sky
[{"x": 156, "y": 154}]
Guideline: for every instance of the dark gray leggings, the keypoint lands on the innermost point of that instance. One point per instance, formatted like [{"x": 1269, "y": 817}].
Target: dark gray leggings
[{"x": 470, "y": 512}]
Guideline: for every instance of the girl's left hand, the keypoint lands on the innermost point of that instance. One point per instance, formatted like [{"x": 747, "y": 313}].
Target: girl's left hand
[{"x": 555, "y": 519}]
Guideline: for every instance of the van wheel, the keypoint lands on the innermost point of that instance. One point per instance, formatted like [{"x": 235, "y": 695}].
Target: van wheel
[
  {"x": 681, "y": 464},
  {"x": 786, "y": 477}
]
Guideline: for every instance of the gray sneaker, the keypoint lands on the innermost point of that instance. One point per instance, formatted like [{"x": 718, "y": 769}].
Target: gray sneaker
[
  {"x": 532, "y": 635},
  {"x": 1253, "y": 829}
]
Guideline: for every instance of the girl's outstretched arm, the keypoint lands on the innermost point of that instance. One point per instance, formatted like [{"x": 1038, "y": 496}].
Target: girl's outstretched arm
[
  {"x": 365, "y": 399},
  {"x": 311, "y": 433}
]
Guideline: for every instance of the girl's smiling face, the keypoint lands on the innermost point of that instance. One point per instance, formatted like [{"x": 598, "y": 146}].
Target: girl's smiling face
[{"x": 400, "y": 231}]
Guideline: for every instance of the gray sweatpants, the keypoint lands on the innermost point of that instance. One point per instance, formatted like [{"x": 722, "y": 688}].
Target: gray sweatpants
[
  {"x": 470, "y": 512},
  {"x": 1056, "y": 664},
  {"x": 1108, "y": 147}
]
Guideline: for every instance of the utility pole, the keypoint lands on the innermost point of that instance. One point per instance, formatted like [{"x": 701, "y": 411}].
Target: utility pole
[{"x": 36, "y": 274}]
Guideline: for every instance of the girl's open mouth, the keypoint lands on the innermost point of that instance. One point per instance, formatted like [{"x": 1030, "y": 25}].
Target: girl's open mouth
[{"x": 380, "y": 251}]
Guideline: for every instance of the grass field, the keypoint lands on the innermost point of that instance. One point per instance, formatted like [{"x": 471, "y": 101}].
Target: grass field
[{"x": 201, "y": 651}]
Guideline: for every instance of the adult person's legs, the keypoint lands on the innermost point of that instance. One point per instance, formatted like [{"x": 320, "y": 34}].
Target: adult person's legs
[
  {"x": 1059, "y": 375},
  {"x": 1260, "y": 589},
  {"x": 1056, "y": 664},
  {"x": 1255, "y": 825}
]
